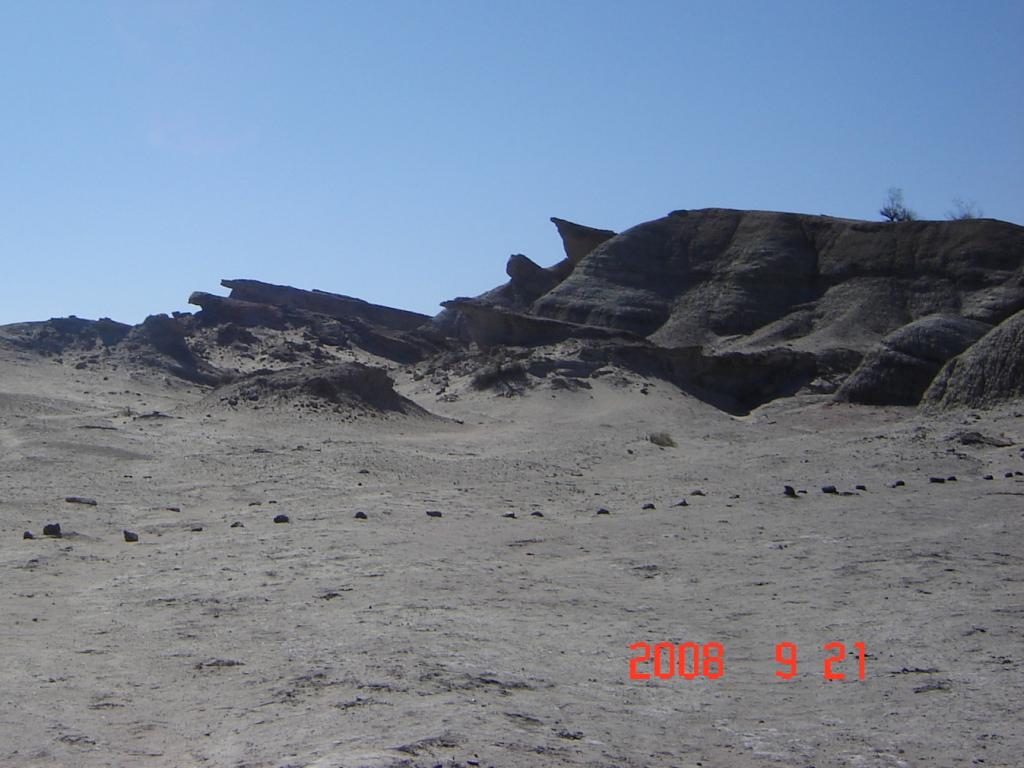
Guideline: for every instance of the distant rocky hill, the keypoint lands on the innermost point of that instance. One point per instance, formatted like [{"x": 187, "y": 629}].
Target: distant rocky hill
[
  {"x": 737, "y": 307},
  {"x": 755, "y": 304}
]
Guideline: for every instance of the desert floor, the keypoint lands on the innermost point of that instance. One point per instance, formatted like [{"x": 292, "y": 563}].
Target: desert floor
[{"x": 479, "y": 639}]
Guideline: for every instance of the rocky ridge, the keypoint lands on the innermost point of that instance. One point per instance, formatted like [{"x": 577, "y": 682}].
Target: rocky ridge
[{"x": 735, "y": 307}]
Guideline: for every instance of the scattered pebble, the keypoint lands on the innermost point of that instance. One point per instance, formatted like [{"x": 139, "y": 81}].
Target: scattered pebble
[
  {"x": 603, "y": 511},
  {"x": 682, "y": 503},
  {"x": 237, "y": 524},
  {"x": 196, "y": 528},
  {"x": 28, "y": 535},
  {"x": 861, "y": 487},
  {"x": 1009, "y": 474},
  {"x": 936, "y": 479},
  {"x": 537, "y": 514},
  {"x": 788, "y": 490},
  {"x": 52, "y": 529},
  {"x": 360, "y": 516},
  {"x": 80, "y": 500},
  {"x": 281, "y": 519},
  {"x": 649, "y": 505},
  {"x": 433, "y": 513},
  {"x": 829, "y": 489},
  {"x": 951, "y": 479},
  {"x": 898, "y": 484},
  {"x": 130, "y": 536},
  {"x": 697, "y": 492},
  {"x": 989, "y": 477},
  {"x": 511, "y": 515}
]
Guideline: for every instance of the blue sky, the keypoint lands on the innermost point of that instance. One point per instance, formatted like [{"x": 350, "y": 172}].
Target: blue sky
[{"x": 400, "y": 151}]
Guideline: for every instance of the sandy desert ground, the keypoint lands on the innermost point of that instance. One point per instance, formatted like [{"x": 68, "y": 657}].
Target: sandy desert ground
[{"x": 479, "y": 638}]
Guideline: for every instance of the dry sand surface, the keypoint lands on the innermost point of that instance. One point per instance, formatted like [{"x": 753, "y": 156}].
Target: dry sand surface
[{"x": 478, "y": 638}]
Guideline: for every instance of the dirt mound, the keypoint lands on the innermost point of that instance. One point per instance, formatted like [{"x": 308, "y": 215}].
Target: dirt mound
[
  {"x": 350, "y": 388},
  {"x": 900, "y": 369},
  {"x": 990, "y": 371}
]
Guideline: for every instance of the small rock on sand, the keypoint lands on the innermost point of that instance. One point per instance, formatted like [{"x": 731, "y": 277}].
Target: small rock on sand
[
  {"x": 52, "y": 529},
  {"x": 80, "y": 500},
  {"x": 130, "y": 536},
  {"x": 281, "y": 519}
]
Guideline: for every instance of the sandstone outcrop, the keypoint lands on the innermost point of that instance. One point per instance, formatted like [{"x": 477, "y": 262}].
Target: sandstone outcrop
[
  {"x": 324, "y": 303},
  {"x": 579, "y": 240},
  {"x": 532, "y": 280},
  {"x": 221, "y": 309}
]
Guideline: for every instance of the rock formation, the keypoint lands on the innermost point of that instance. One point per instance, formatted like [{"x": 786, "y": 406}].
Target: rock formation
[
  {"x": 729, "y": 291},
  {"x": 579, "y": 240},
  {"x": 721, "y": 279},
  {"x": 323, "y": 303}
]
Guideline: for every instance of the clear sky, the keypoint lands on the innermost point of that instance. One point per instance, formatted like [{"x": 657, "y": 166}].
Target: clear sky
[{"x": 400, "y": 151}]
